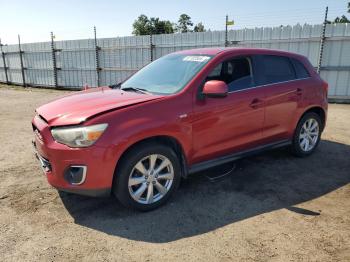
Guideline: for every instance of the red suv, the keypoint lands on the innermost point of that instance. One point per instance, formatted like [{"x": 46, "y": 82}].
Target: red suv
[{"x": 185, "y": 112}]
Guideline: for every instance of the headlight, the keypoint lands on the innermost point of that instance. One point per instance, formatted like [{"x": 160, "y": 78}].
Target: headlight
[{"x": 80, "y": 136}]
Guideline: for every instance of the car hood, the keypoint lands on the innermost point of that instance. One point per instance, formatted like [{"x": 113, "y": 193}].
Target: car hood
[{"x": 76, "y": 108}]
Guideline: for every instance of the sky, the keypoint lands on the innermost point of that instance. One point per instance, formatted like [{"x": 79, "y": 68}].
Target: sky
[{"x": 75, "y": 19}]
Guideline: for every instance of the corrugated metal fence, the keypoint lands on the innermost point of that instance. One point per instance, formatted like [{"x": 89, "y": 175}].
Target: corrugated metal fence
[{"x": 71, "y": 64}]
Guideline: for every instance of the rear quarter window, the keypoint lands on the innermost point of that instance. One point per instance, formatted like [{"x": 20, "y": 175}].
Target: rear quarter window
[{"x": 300, "y": 69}]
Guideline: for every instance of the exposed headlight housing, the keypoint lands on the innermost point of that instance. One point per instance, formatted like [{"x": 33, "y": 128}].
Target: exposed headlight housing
[{"x": 79, "y": 136}]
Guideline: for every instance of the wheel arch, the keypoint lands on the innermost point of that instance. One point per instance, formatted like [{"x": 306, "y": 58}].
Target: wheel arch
[
  {"x": 319, "y": 111},
  {"x": 159, "y": 139}
]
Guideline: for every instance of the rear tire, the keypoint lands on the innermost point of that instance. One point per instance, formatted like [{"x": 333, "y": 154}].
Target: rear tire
[
  {"x": 307, "y": 135},
  {"x": 147, "y": 177}
]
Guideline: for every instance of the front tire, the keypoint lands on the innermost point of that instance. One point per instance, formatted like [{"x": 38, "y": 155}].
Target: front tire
[
  {"x": 147, "y": 176},
  {"x": 307, "y": 135}
]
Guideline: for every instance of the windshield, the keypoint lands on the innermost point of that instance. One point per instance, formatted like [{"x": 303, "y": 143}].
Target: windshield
[{"x": 167, "y": 75}]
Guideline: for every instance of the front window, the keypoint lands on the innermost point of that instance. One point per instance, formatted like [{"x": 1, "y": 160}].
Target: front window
[
  {"x": 167, "y": 75},
  {"x": 236, "y": 73}
]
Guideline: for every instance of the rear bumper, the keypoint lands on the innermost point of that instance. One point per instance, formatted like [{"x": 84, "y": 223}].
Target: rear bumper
[{"x": 56, "y": 158}]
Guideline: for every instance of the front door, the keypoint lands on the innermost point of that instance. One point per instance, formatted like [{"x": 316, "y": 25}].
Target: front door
[{"x": 226, "y": 125}]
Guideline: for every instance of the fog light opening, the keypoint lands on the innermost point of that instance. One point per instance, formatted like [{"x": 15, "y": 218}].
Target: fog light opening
[{"x": 75, "y": 175}]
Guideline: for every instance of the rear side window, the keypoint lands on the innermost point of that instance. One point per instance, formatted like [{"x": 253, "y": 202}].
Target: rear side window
[
  {"x": 300, "y": 69},
  {"x": 274, "y": 69}
]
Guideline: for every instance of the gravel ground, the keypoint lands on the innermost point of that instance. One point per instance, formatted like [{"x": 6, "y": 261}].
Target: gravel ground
[{"x": 274, "y": 207}]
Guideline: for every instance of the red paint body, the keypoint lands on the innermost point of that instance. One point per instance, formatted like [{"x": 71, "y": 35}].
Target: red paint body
[{"x": 211, "y": 128}]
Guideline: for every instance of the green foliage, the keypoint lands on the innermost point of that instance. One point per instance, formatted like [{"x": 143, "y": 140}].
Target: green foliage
[
  {"x": 160, "y": 26},
  {"x": 184, "y": 24},
  {"x": 144, "y": 25},
  {"x": 141, "y": 25},
  {"x": 342, "y": 19},
  {"x": 199, "y": 27}
]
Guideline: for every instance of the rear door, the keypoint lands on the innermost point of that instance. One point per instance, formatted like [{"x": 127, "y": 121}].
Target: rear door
[
  {"x": 230, "y": 124},
  {"x": 277, "y": 75}
]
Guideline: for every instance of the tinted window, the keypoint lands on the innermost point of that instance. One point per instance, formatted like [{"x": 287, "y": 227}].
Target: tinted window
[
  {"x": 236, "y": 73},
  {"x": 274, "y": 69},
  {"x": 300, "y": 69}
]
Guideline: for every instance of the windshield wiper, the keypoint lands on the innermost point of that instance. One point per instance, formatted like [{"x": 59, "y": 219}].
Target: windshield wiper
[
  {"x": 117, "y": 85},
  {"x": 141, "y": 90}
]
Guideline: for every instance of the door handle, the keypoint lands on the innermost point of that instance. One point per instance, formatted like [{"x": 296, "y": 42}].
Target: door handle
[{"x": 255, "y": 103}]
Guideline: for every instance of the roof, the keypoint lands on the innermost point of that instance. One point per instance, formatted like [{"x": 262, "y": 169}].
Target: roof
[
  {"x": 222, "y": 50},
  {"x": 202, "y": 51}
]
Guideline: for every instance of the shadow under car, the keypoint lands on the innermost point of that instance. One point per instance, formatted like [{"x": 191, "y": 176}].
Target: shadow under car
[{"x": 260, "y": 184}]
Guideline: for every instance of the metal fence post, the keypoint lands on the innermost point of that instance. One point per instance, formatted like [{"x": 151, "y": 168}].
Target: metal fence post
[
  {"x": 21, "y": 61},
  {"x": 226, "y": 38},
  {"x": 323, "y": 39},
  {"x": 151, "y": 46},
  {"x": 4, "y": 62},
  {"x": 98, "y": 68},
  {"x": 54, "y": 64}
]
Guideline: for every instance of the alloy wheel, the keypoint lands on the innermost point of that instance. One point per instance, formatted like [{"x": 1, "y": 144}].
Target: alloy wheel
[
  {"x": 151, "y": 179},
  {"x": 309, "y": 134}
]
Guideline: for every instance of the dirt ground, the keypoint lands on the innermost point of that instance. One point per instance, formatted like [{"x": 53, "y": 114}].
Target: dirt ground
[{"x": 274, "y": 207}]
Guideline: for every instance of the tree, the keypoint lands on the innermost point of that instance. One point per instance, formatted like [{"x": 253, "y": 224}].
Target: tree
[
  {"x": 184, "y": 24},
  {"x": 199, "y": 27},
  {"x": 153, "y": 25},
  {"x": 342, "y": 19},
  {"x": 161, "y": 26},
  {"x": 146, "y": 26},
  {"x": 141, "y": 26}
]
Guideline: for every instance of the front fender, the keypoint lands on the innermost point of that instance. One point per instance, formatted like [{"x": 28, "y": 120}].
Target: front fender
[{"x": 131, "y": 125}]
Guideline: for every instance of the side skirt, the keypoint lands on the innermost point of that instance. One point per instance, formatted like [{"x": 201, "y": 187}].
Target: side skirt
[{"x": 232, "y": 157}]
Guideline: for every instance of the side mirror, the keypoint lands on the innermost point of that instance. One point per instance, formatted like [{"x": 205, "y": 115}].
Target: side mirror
[{"x": 215, "y": 89}]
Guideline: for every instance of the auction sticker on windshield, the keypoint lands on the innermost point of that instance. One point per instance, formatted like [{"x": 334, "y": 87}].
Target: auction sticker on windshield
[{"x": 196, "y": 58}]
